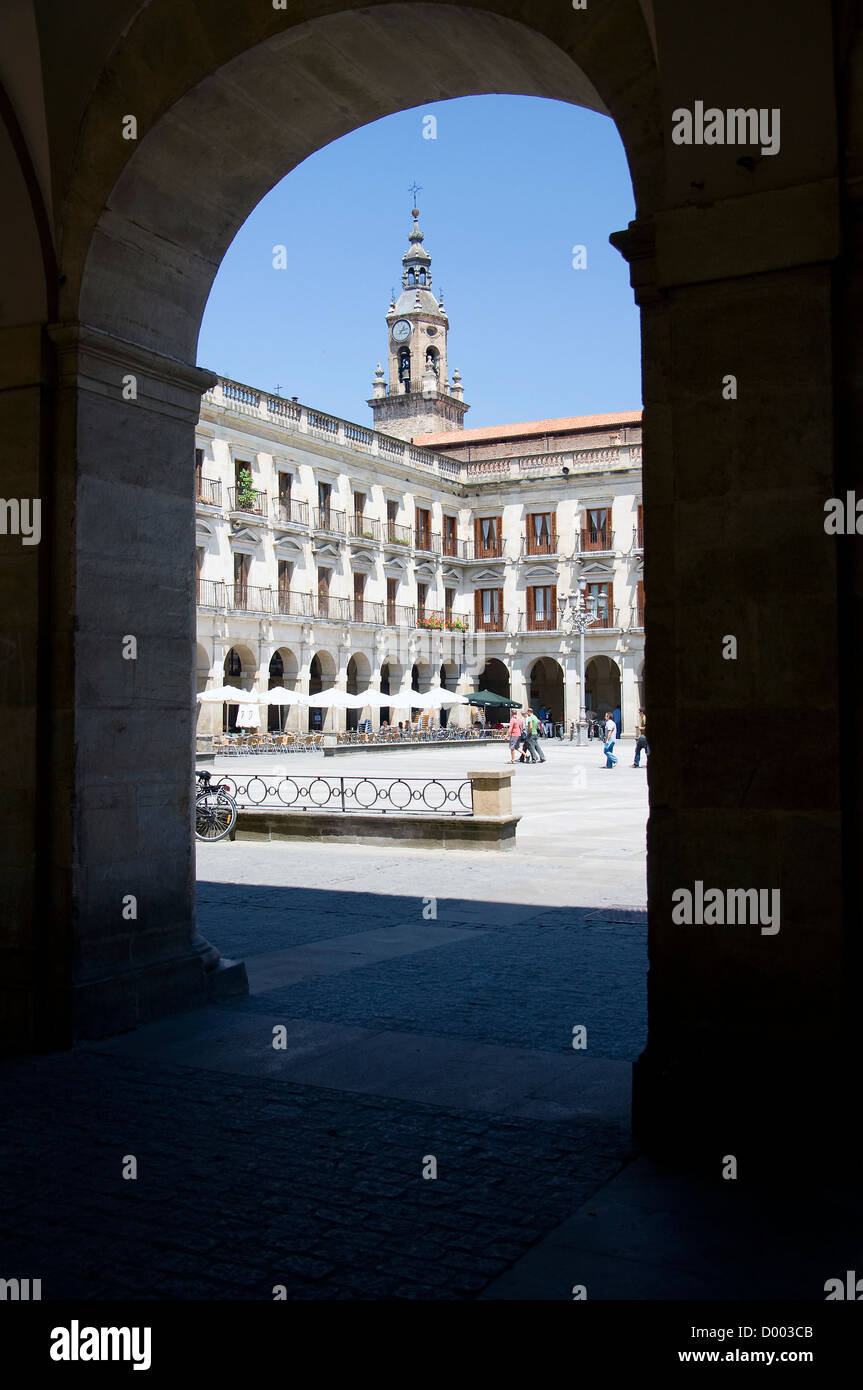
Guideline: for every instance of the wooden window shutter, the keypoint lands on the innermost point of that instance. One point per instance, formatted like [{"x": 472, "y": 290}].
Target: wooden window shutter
[
  {"x": 477, "y": 607},
  {"x": 552, "y": 616},
  {"x": 609, "y": 588},
  {"x": 499, "y": 612},
  {"x": 531, "y": 605},
  {"x": 477, "y": 532}
]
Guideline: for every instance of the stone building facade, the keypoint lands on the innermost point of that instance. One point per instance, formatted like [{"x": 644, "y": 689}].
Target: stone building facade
[
  {"x": 328, "y": 553},
  {"x": 354, "y": 558}
]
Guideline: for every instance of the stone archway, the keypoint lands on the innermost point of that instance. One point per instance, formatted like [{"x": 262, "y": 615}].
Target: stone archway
[
  {"x": 545, "y": 687},
  {"x": 754, "y": 249},
  {"x": 602, "y": 682}
]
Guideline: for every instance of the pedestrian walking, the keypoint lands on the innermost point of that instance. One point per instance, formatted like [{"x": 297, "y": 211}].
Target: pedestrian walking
[
  {"x": 523, "y": 714},
  {"x": 515, "y": 734},
  {"x": 608, "y": 747},
  {"x": 641, "y": 741},
  {"x": 532, "y": 738}
]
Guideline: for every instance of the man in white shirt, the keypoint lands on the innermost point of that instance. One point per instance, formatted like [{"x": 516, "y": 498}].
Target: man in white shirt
[{"x": 610, "y": 736}]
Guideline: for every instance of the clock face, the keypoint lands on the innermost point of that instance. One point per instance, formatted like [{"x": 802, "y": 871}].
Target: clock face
[{"x": 401, "y": 331}]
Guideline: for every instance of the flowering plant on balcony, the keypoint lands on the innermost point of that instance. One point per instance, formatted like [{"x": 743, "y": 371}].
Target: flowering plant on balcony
[
  {"x": 247, "y": 498},
  {"x": 430, "y": 620},
  {"x": 457, "y": 624}
]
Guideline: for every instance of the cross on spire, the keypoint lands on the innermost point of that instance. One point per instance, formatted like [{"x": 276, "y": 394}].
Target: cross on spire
[{"x": 414, "y": 189}]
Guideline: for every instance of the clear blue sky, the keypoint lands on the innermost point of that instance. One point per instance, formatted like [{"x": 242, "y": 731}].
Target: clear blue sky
[{"x": 509, "y": 186}]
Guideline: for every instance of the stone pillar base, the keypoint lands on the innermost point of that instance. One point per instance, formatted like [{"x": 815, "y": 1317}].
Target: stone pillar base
[{"x": 120, "y": 1002}]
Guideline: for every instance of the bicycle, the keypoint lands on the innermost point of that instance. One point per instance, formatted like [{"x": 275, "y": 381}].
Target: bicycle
[{"x": 215, "y": 809}]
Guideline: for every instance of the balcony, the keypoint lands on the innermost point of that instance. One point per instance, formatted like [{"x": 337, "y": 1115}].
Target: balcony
[
  {"x": 291, "y": 605},
  {"x": 211, "y": 593},
  {"x": 208, "y": 492},
  {"x": 331, "y": 610},
  {"x": 472, "y": 550},
  {"x": 538, "y": 622},
  {"x": 638, "y": 537},
  {"x": 427, "y": 542},
  {"x": 399, "y": 615},
  {"x": 636, "y": 621},
  {"x": 532, "y": 544},
  {"x": 605, "y": 620},
  {"x": 364, "y": 528},
  {"x": 333, "y": 523},
  {"x": 287, "y": 512},
  {"x": 397, "y": 535},
  {"x": 249, "y": 598},
  {"x": 490, "y": 622},
  {"x": 451, "y": 547},
  {"x": 436, "y": 620},
  {"x": 596, "y": 541},
  {"x": 362, "y": 611},
  {"x": 254, "y": 503}
]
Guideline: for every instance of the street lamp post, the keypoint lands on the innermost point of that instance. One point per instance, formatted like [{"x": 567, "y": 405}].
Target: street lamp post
[{"x": 577, "y": 617}]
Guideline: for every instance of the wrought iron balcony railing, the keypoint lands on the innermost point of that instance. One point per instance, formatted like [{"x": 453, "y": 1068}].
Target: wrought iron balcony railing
[
  {"x": 239, "y": 500},
  {"x": 211, "y": 593},
  {"x": 290, "y": 512},
  {"x": 427, "y": 541},
  {"x": 600, "y": 538},
  {"x": 538, "y": 622},
  {"x": 532, "y": 544},
  {"x": 325, "y": 519},
  {"x": 363, "y": 611},
  {"x": 437, "y": 620},
  {"x": 208, "y": 491},
  {"x": 293, "y": 605},
  {"x": 250, "y": 598},
  {"x": 490, "y": 622},
  {"x": 479, "y": 550},
  {"x": 364, "y": 528},
  {"x": 396, "y": 534},
  {"x": 399, "y": 615}
]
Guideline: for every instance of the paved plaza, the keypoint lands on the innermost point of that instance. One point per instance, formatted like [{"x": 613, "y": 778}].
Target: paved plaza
[{"x": 424, "y": 1002}]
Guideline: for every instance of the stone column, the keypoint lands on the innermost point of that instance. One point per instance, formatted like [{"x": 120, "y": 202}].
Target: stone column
[
  {"x": 746, "y": 1023},
  {"x": 628, "y": 692},
  {"x": 135, "y": 952}
]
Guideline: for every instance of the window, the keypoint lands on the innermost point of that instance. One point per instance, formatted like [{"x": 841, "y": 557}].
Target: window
[
  {"x": 286, "y": 570},
  {"x": 405, "y": 367},
  {"x": 639, "y": 604},
  {"x": 392, "y": 592},
  {"x": 285, "y": 482},
  {"x": 359, "y": 592},
  {"x": 542, "y": 608},
  {"x": 199, "y": 562},
  {"x": 422, "y": 526},
  {"x": 639, "y": 527},
  {"x": 422, "y": 595},
  {"x": 487, "y": 536},
  {"x": 541, "y": 537},
  {"x": 596, "y": 534},
  {"x": 488, "y": 610},
  {"x": 448, "y": 601},
  {"x": 199, "y": 471},
  {"x": 325, "y": 493},
  {"x": 599, "y": 600},
  {"x": 359, "y": 505},
  {"x": 241, "y": 580},
  {"x": 450, "y": 535},
  {"x": 240, "y": 466},
  {"x": 324, "y": 576}
]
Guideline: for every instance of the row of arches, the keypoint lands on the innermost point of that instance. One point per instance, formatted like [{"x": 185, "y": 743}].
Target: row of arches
[{"x": 543, "y": 687}]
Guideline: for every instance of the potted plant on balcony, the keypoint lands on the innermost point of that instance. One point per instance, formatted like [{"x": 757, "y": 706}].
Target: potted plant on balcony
[
  {"x": 247, "y": 498},
  {"x": 456, "y": 624},
  {"x": 430, "y": 620}
]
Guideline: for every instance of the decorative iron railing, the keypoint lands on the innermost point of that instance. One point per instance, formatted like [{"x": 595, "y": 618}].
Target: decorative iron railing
[
  {"x": 290, "y": 512},
  {"x": 416, "y": 795},
  {"x": 208, "y": 491},
  {"x": 241, "y": 500}
]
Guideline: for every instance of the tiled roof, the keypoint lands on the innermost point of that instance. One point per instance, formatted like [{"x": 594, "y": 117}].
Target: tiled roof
[{"x": 568, "y": 425}]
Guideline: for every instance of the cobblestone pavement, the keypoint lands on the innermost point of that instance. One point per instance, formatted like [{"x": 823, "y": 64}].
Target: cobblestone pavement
[{"x": 409, "y": 1036}]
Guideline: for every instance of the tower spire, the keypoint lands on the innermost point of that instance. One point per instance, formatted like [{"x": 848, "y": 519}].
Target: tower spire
[{"x": 417, "y": 398}]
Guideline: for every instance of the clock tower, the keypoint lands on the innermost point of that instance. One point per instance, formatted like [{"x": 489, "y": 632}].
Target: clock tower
[{"x": 416, "y": 396}]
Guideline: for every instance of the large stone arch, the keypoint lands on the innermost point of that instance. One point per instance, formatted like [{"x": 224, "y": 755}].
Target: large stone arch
[{"x": 740, "y": 266}]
